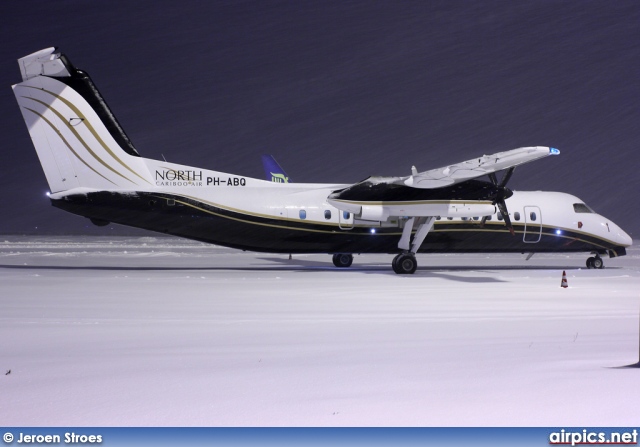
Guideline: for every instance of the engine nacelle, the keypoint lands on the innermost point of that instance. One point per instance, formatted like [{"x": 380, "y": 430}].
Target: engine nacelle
[
  {"x": 374, "y": 213},
  {"x": 470, "y": 210},
  {"x": 415, "y": 209}
]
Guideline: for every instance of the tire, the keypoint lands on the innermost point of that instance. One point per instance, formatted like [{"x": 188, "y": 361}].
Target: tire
[
  {"x": 597, "y": 263},
  {"x": 590, "y": 262},
  {"x": 394, "y": 264},
  {"x": 342, "y": 260},
  {"x": 405, "y": 264}
]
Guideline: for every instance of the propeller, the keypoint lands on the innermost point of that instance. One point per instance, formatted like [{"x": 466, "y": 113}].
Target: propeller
[{"x": 501, "y": 195}]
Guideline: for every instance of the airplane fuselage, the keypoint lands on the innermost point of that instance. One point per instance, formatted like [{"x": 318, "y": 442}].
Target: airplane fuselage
[
  {"x": 94, "y": 170},
  {"x": 256, "y": 215}
]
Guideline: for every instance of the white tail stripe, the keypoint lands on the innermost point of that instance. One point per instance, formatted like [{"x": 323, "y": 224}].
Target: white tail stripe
[
  {"x": 80, "y": 139},
  {"x": 92, "y": 130},
  {"x": 67, "y": 144}
]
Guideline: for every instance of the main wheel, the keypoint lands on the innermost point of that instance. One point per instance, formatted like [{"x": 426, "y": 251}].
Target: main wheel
[
  {"x": 597, "y": 263},
  {"x": 404, "y": 264},
  {"x": 394, "y": 263},
  {"x": 342, "y": 260},
  {"x": 590, "y": 262}
]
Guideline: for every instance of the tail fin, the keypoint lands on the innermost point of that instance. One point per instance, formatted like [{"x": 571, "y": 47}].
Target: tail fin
[
  {"x": 79, "y": 142},
  {"x": 273, "y": 171}
]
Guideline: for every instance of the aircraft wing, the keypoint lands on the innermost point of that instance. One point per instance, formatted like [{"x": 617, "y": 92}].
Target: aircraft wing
[
  {"x": 477, "y": 167},
  {"x": 429, "y": 193}
]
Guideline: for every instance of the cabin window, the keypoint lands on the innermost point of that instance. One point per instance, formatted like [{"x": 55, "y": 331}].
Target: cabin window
[
  {"x": 465, "y": 218},
  {"x": 516, "y": 215},
  {"x": 581, "y": 208},
  {"x": 449, "y": 218},
  {"x": 346, "y": 215},
  {"x": 533, "y": 216},
  {"x": 327, "y": 214},
  {"x": 171, "y": 202},
  {"x": 500, "y": 216},
  {"x": 476, "y": 218},
  {"x": 488, "y": 218},
  {"x": 303, "y": 214}
]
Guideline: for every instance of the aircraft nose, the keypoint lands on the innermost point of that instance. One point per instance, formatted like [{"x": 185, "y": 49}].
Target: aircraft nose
[
  {"x": 625, "y": 239},
  {"x": 621, "y": 236}
]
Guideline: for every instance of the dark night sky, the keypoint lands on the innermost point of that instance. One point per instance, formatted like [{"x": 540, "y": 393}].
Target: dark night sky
[{"x": 339, "y": 90}]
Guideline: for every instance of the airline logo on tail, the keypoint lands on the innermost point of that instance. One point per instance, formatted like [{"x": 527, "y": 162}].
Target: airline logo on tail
[
  {"x": 279, "y": 178},
  {"x": 273, "y": 171}
]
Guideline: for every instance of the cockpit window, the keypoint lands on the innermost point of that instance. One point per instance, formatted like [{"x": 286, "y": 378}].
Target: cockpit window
[{"x": 581, "y": 208}]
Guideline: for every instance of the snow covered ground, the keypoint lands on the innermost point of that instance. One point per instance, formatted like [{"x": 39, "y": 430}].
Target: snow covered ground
[{"x": 159, "y": 331}]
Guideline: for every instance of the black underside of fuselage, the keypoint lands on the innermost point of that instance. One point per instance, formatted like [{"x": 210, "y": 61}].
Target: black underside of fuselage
[{"x": 180, "y": 216}]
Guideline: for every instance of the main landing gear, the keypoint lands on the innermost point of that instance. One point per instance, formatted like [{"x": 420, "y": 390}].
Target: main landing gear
[
  {"x": 595, "y": 262},
  {"x": 342, "y": 260},
  {"x": 404, "y": 264}
]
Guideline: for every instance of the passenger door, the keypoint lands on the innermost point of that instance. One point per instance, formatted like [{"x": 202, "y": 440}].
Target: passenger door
[
  {"x": 532, "y": 224},
  {"x": 345, "y": 220}
]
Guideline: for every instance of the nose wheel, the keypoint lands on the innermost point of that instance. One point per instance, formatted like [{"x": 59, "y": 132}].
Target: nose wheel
[
  {"x": 404, "y": 264},
  {"x": 595, "y": 262}
]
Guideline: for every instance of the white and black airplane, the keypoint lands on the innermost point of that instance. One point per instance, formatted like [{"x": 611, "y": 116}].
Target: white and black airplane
[{"x": 94, "y": 170}]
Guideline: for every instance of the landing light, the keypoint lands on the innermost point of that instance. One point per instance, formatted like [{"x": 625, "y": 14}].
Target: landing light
[
  {"x": 554, "y": 151},
  {"x": 372, "y": 231},
  {"x": 558, "y": 231},
  {"x": 48, "y": 194}
]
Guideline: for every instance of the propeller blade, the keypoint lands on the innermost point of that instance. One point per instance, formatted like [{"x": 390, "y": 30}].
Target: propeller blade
[
  {"x": 493, "y": 178},
  {"x": 484, "y": 219},
  {"x": 505, "y": 214},
  {"x": 507, "y": 176}
]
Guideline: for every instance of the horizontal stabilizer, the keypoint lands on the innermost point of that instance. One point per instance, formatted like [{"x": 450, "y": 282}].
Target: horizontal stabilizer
[{"x": 43, "y": 63}]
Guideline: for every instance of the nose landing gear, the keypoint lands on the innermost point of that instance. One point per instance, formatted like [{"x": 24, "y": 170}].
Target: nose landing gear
[{"x": 595, "y": 262}]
